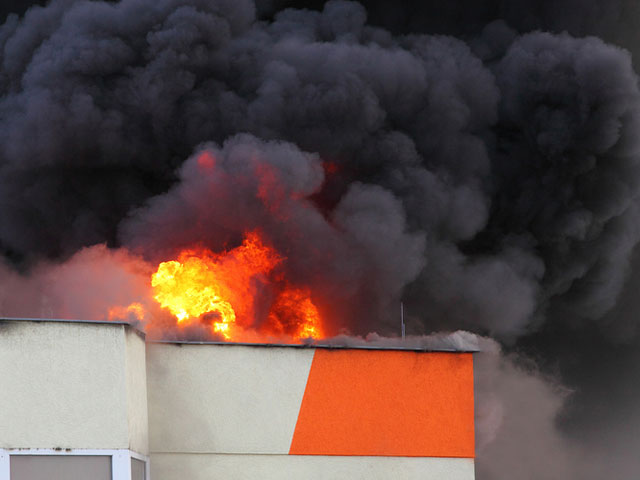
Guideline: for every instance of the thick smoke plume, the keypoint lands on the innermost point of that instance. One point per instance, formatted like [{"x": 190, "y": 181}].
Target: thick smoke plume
[{"x": 487, "y": 177}]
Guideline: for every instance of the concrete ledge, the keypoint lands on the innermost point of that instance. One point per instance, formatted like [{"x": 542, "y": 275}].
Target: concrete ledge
[{"x": 168, "y": 466}]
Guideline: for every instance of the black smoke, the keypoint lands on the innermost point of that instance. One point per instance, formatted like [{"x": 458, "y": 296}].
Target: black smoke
[{"x": 478, "y": 160}]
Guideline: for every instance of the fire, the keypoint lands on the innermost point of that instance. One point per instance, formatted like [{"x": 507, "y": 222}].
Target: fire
[
  {"x": 221, "y": 289},
  {"x": 135, "y": 309},
  {"x": 294, "y": 307}
]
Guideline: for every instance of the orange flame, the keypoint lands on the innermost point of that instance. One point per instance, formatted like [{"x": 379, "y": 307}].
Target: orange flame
[
  {"x": 118, "y": 312},
  {"x": 294, "y": 308},
  {"x": 222, "y": 289}
]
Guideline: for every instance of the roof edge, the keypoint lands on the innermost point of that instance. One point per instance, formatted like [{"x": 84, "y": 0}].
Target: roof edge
[
  {"x": 303, "y": 345},
  {"x": 312, "y": 345},
  {"x": 134, "y": 327}
]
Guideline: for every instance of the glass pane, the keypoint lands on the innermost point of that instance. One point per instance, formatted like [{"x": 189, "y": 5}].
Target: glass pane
[
  {"x": 60, "y": 467},
  {"x": 137, "y": 469}
]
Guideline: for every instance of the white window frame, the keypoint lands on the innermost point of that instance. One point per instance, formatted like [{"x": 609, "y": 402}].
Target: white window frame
[{"x": 120, "y": 459}]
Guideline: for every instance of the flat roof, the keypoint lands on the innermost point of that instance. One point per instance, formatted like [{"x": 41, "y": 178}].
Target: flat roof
[
  {"x": 414, "y": 344},
  {"x": 320, "y": 344}
]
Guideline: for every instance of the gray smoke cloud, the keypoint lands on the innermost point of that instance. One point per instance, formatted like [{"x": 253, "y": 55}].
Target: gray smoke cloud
[
  {"x": 421, "y": 118},
  {"x": 249, "y": 184},
  {"x": 487, "y": 178}
]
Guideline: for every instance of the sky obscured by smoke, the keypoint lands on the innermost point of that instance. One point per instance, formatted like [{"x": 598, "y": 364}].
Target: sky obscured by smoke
[{"x": 478, "y": 160}]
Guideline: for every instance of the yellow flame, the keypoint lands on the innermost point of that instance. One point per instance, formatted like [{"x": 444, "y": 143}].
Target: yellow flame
[
  {"x": 189, "y": 289},
  {"x": 201, "y": 283}
]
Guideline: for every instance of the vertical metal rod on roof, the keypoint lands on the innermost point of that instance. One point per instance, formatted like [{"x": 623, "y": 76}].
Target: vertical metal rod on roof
[{"x": 402, "y": 319}]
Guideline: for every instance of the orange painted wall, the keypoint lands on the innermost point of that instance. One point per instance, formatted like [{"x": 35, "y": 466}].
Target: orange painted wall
[{"x": 387, "y": 403}]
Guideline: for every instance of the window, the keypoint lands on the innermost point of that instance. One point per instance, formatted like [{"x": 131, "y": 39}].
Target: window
[
  {"x": 60, "y": 467},
  {"x": 138, "y": 469},
  {"x": 75, "y": 464}
]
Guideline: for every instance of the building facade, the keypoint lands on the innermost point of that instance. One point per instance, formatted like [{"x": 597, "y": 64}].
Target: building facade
[{"x": 94, "y": 400}]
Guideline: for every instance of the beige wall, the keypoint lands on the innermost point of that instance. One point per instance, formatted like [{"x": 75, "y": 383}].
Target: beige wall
[
  {"x": 230, "y": 411},
  {"x": 286, "y": 467},
  {"x": 226, "y": 411},
  {"x": 72, "y": 385},
  {"x": 136, "y": 382},
  {"x": 224, "y": 399}
]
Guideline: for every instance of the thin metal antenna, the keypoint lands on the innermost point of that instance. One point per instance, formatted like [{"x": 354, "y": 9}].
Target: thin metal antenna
[{"x": 402, "y": 319}]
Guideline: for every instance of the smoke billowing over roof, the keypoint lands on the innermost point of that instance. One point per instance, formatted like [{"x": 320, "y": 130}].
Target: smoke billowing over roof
[{"x": 479, "y": 162}]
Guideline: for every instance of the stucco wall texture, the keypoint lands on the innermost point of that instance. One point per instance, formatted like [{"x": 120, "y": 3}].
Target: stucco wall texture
[
  {"x": 72, "y": 385},
  {"x": 311, "y": 467},
  {"x": 246, "y": 412},
  {"x": 237, "y": 411}
]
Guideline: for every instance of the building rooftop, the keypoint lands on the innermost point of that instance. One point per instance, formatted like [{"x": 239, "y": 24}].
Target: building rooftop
[{"x": 444, "y": 343}]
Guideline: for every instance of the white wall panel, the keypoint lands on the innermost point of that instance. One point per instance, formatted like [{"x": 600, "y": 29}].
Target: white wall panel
[
  {"x": 65, "y": 385},
  {"x": 224, "y": 399}
]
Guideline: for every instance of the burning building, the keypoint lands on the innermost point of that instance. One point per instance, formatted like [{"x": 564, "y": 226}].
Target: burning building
[
  {"x": 94, "y": 400},
  {"x": 238, "y": 170}
]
